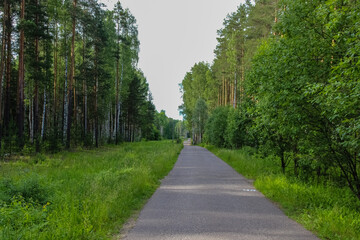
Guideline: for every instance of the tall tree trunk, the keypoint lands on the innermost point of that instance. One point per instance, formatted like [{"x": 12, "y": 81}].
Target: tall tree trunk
[
  {"x": 55, "y": 77},
  {"x": 110, "y": 123},
  {"x": 85, "y": 109},
  {"x": 31, "y": 120},
  {"x": 36, "y": 88},
  {"x": 223, "y": 91},
  {"x": 219, "y": 97},
  {"x": 3, "y": 47},
  {"x": 226, "y": 92},
  {"x": 96, "y": 113},
  {"x": 65, "y": 117},
  {"x": 120, "y": 85},
  {"x": 7, "y": 102},
  {"x": 117, "y": 95},
  {"x": 43, "y": 117},
  {"x": 71, "y": 80},
  {"x": 96, "y": 100},
  {"x": 84, "y": 88},
  {"x": 20, "y": 87},
  {"x": 235, "y": 89}
]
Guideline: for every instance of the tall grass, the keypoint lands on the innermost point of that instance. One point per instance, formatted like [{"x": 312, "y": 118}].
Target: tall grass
[
  {"x": 329, "y": 211},
  {"x": 80, "y": 195}
]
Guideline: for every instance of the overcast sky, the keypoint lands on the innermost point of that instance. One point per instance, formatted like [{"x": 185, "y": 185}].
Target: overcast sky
[{"x": 174, "y": 35}]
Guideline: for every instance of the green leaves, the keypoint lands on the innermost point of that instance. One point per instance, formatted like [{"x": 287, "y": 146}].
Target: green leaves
[{"x": 306, "y": 86}]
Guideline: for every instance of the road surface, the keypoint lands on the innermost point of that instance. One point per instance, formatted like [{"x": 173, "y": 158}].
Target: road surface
[{"x": 204, "y": 199}]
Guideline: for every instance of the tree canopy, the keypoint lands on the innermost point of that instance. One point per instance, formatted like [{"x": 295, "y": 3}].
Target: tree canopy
[
  {"x": 69, "y": 77},
  {"x": 285, "y": 80}
]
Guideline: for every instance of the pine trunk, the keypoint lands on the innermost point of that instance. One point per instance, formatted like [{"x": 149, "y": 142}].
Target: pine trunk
[
  {"x": 120, "y": 84},
  {"x": 36, "y": 88},
  {"x": 43, "y": 117},
  {"x": 84, "y": 89},
  {"x": 242, "y": 93},
  {"x": 235, "y": 89},
  {"x": 31, "y": 120},
  {"x": 71, "y": 80},
  {"x": 223, "y": 91},
  {"x": 7, "y": 103},
  {"x": 55, "y": 76},
  {"x": 117, "y": 94},
  {"x": 20, "y": 87},
  {"x": 96, "y": 101},
  {"x": 3, "y": 47},
  {"x": 65, "y": 116}
]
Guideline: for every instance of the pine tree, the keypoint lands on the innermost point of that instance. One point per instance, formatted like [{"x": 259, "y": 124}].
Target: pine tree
[
  {"x": 2, "y": 64},
  {"x": 9, "y": 29},
  {"x": 71, "y": 88},
  {"x": 20, "y": 93}
]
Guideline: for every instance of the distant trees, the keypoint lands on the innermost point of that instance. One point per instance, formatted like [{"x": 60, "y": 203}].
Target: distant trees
[
  {"x": 200, "y": 116},
  {"x": 69, "y": 76},
  {"x": 169, "y": 128},
  {"x": 223, "y": 83},
  {"x": 286, "y": 78}
]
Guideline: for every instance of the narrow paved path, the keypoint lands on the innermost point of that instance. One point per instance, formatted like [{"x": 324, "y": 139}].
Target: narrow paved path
[{"x": 203, "y": 198}]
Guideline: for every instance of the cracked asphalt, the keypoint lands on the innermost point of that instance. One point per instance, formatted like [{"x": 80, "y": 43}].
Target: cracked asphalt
[{"x": 203, "y": 198}]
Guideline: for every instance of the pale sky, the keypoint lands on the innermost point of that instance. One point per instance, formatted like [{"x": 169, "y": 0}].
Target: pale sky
[{"x": 174, "y": 35}]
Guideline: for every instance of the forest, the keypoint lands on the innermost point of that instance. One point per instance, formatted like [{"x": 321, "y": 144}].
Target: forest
[
  {"x": 285, "y": 82},
  {"x": 69, "y": 78}
]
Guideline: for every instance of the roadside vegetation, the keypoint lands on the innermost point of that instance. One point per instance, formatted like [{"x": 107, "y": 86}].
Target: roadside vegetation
[
  {"x": 285, "y": 80},
  {"x": 330, "y": 211},
  {"x": 284, "y": 86},
  {"x": 83, "y": 194}
]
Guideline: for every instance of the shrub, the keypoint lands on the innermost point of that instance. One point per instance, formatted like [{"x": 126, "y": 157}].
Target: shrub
[
  {"x": 29, "y": 189},
  {"x": 216, "y": 127}
]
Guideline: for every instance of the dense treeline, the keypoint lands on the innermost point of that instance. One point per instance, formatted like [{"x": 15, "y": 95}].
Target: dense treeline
[
  {"x": 69, "y": 76},
  {"x": 285, "y": 80}
]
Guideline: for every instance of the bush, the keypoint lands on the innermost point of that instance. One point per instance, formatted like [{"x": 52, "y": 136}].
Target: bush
[
  {"x": 29, "y": 189},
  {"x": 216, "y": 127},
  {"x": 236, "y": 131}
]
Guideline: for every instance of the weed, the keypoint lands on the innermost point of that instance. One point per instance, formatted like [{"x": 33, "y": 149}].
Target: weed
[{"x": 86, "y": 194}]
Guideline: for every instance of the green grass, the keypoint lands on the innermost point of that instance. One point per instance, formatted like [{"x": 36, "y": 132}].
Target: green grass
[
  {"x": 80, "y": 195},
  {"x": 330, "y": 212}
]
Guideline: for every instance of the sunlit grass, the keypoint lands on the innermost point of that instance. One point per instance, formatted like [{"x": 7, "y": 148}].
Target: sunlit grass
[
  {"x": 80, "y": 195},
  {"x": 330, "y": 212}
]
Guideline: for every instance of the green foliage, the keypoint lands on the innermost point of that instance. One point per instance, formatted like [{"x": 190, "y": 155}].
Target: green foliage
[
  {"x": 69, "y": 96},
  {"x": 293, "y": 85},
  {"x": 30, "y": 189},
  {"x": 246, "y": 162},
  {"x": 216, "y": 127},
  {"x": 237, "y": 130},
  {"x": 193, "y": 88},
  {"x": 81, "y": 195},
  {"x": 168, "y": 128},
  {"x": 22, "y": 219},
  {"x": 331, "y": 212},
  {"x": 200, "y": 116},
  {"x": 301, "y": 96}
]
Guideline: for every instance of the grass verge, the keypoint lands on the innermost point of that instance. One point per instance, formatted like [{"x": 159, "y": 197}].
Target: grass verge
[
  {"x": 328, "y": 211},
  {"x": 80, "y": 195}
]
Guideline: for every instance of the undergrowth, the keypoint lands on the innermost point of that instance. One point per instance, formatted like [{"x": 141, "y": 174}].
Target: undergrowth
[
  {"x": 80, "y": 195},
  {"x": 329, "y": 211}
]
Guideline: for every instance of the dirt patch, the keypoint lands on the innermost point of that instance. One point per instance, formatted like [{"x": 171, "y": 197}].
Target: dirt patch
[{"x": 130, "y": 224}]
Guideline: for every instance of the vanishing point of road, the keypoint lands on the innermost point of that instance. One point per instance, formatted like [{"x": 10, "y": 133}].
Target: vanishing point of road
[{"x": 205, "y": 199}]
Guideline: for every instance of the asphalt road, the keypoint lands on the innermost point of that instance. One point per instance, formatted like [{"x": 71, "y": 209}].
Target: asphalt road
[{"x": 204, "y": 199}]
